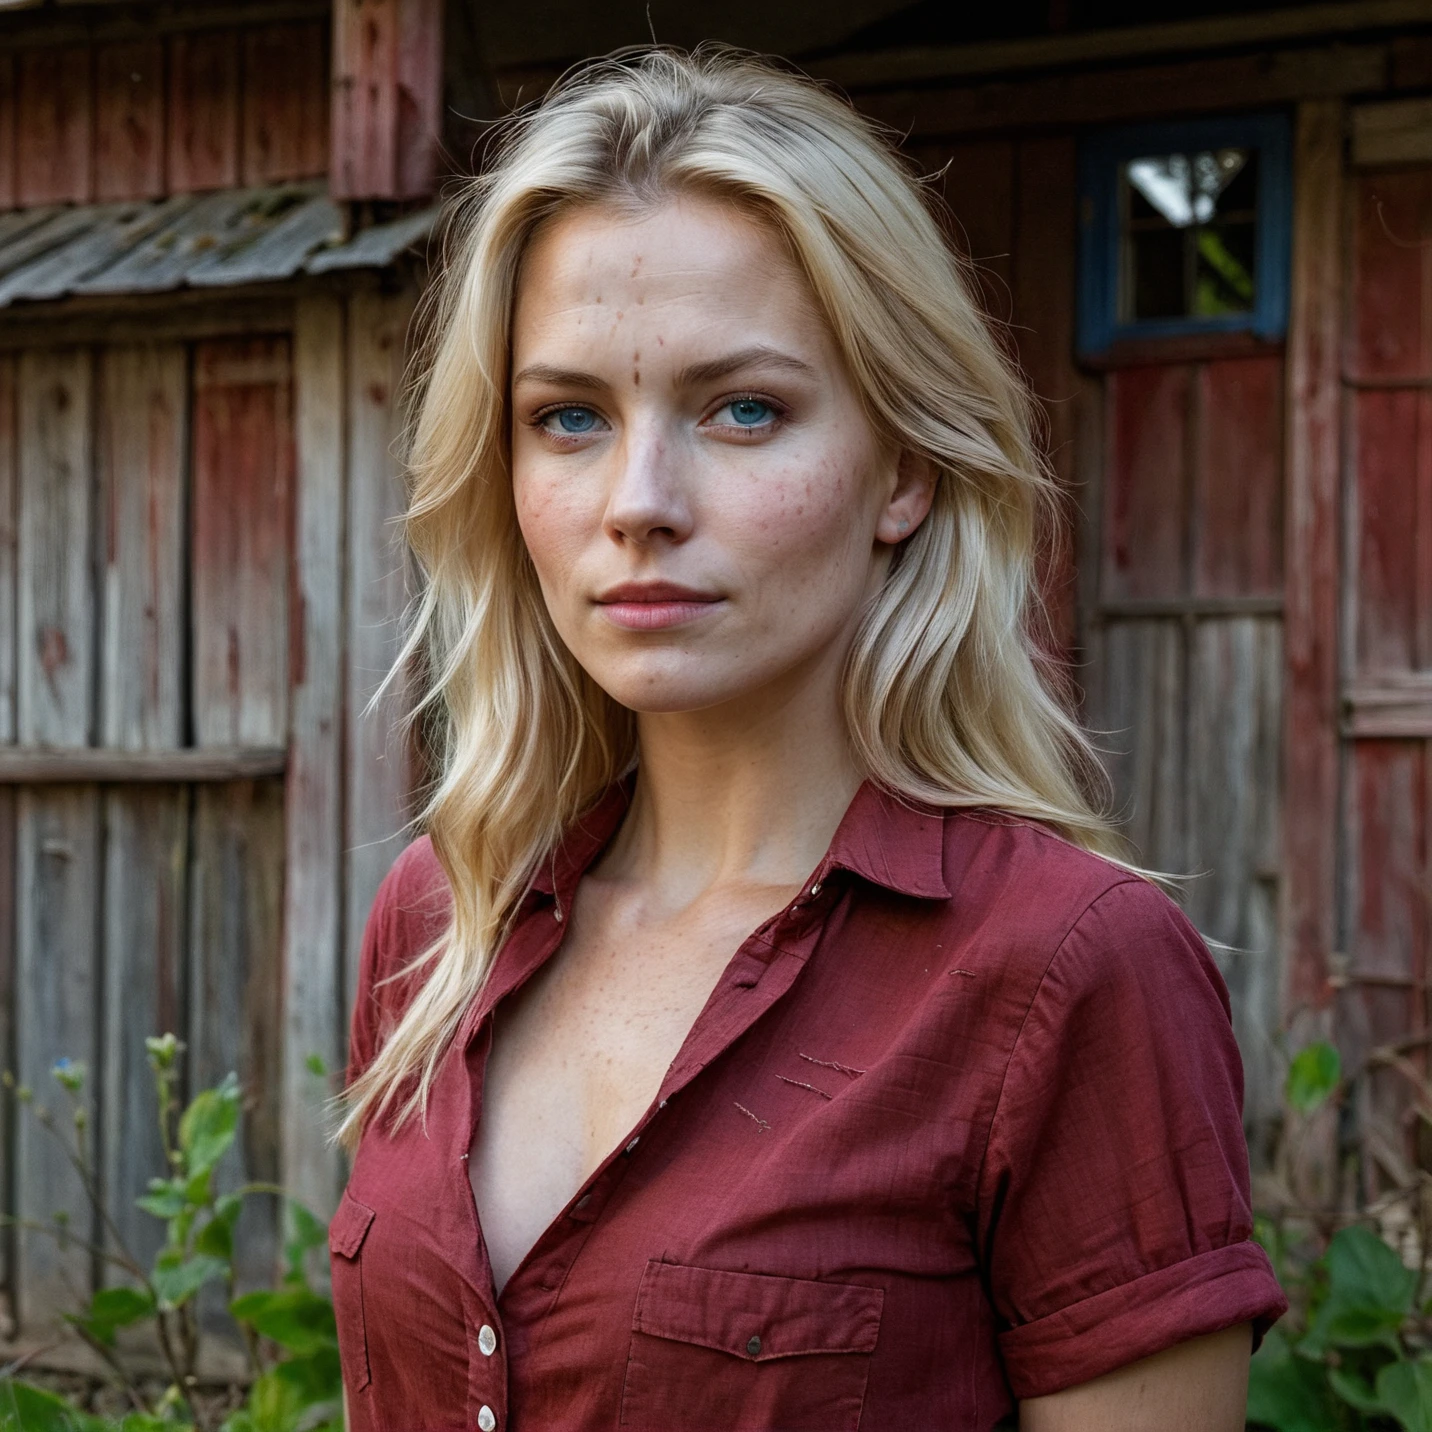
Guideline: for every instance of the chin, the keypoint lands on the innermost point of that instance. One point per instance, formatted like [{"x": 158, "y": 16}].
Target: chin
[{"x": 670, "y": 687}]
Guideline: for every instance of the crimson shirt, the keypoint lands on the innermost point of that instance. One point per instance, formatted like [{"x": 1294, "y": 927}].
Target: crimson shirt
[{"x": 959, "y": 1125}]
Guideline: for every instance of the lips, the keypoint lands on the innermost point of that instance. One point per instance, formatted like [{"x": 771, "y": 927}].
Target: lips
[{"x": 654, "y": 606}]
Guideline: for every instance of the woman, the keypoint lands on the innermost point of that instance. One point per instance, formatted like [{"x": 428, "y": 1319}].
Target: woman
[{"x": 766, "y": 1034}]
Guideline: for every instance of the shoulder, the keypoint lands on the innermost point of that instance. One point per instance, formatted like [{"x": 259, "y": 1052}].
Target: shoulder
[{"x": 1066, "y": 922}]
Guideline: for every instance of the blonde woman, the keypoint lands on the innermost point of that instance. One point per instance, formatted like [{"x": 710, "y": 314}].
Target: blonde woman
[{"x": 766, "y": 1034}]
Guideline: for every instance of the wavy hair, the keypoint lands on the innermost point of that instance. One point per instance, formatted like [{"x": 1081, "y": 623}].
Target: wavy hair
[{"x": 947, "y": 696}]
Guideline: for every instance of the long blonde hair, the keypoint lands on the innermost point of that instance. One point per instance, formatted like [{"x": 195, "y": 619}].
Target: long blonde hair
[{"x": 946, "y": 694}]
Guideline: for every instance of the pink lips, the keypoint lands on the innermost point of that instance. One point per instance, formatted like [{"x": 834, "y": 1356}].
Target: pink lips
[{"x": 652, "y": 606}]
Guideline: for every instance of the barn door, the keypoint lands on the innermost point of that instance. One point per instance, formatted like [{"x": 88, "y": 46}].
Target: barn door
[
  {"x": 1386, "y": 895},
  {"x": 144, "y": 719}
]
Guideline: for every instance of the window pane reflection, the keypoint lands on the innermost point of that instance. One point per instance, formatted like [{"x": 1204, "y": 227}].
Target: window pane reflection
[{"x": 1189, "y": 225}]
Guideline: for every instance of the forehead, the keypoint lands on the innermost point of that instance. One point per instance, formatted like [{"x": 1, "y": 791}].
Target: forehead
[{"x": 689, "y": 269}]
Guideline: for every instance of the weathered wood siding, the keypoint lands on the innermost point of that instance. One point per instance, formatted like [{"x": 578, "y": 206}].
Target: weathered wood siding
[
  {"x": 1387, "y": 637},
  {"x": 172, "y": 114},
  {"x": 196, "y": 556}
]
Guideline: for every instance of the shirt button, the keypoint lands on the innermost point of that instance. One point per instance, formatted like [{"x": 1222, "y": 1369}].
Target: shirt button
[
  {"x": 486, "y": 1341},
  {"x": 633, "y": 1143},
  {"x": 584, "y": 1200},
  {"x": 486, "y": 1419},
  {"x": 754, "y": 1347},
  {"x": 815, "y": 889}
]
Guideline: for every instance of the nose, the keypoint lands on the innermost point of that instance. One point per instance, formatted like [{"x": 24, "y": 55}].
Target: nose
[{"x": 647, "y": 502}]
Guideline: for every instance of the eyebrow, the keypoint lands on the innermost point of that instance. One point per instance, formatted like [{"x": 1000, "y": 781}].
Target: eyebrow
[{"x": 758, "y": 355}]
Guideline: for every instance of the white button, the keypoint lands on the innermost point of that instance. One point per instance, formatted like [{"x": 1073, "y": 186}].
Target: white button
[
  {"x": 662, "y": 1105},
  {"x": 557, "y": 916},
  {"x": 633, "y": 1143},
  {"x": 486, "y": 1341},
  {"x": 485, "y": 1419},
  {"x": 815, "y": 889}
]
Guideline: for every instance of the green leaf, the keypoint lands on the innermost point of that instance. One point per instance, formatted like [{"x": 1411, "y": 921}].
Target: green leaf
[
  {"x": 216, "y": 1239},
  {"x": 176, "y": 1279},
  {"x": 165, "y": 1198},
  {"x": 305, "y": 1234},
  {"x": 1369, "y": 1295},
  {"x": 1288, "y": 1393},
  {"x": 295, "y": 1318},
  {"x": 1354, "y": 1390},
  {"x": 147, "y": 1422},
  {"x": 209, "y": 1125},
  {"x": 1312, "y": 1076},
  {"x": 1405, "y": 1390},
  {"x": 27, "y": 1408},
  {"x": 113, "y": 1308}
]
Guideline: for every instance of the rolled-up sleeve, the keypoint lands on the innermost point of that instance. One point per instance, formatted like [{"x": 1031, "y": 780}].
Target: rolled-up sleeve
[{"x": 1114, "y": 1210}]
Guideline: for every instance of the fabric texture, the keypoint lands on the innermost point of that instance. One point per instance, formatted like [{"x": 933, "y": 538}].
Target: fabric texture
[{"x": 958, "y": 1126}]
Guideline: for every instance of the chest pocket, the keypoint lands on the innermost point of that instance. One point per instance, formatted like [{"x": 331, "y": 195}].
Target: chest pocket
[
  {"x": 745, "y": 1352},
  {"x": 345, "y": 1242}
]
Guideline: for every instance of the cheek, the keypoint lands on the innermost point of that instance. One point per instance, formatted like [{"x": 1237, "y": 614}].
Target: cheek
[{"x": 550, "y": 519}]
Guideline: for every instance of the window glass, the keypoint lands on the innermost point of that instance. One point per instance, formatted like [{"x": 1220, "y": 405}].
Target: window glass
[{"x": 1189, "y": 225}]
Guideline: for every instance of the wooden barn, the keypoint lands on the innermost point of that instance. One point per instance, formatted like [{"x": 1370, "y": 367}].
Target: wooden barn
[{"x": 1207, "y": 228}]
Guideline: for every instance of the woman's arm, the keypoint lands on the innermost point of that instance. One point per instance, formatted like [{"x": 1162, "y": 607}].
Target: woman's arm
[{"x": 1198, "y": 1386}]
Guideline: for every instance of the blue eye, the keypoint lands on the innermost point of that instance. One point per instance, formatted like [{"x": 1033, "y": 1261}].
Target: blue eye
[
  {"x": 750, "y": 412},
  {"x": 575, "y": 421}
]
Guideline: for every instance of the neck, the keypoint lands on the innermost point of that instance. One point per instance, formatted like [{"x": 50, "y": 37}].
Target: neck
[{"x": 749, "y": 793}]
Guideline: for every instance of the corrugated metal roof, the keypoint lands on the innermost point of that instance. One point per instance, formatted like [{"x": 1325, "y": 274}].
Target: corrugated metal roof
[{"x": 193, "y": 240}]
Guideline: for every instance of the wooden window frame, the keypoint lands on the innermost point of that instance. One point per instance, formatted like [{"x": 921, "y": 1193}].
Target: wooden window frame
[{"x": 1101, "y": 331}]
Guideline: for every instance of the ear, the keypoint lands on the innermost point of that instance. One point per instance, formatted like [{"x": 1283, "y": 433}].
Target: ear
[{"x": 910, "y": 499}]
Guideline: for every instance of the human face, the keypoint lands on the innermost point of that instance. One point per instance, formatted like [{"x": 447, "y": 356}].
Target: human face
[{"x": 705, "y": 502}]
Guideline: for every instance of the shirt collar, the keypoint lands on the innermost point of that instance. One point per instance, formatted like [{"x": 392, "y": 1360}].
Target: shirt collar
[{"x": 883, "y": 838}]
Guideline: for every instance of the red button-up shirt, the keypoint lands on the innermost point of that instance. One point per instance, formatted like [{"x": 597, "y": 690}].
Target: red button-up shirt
[{"x": 959, "y": 1125}]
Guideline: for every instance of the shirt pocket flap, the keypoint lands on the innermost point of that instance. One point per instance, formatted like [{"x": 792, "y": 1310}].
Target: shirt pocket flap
[
  {"x": 349, "y": 1227},
  {"x": 755, "y": 1316}
]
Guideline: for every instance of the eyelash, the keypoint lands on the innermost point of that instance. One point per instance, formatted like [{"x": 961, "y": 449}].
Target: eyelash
[{"x": 779, "y": 413}]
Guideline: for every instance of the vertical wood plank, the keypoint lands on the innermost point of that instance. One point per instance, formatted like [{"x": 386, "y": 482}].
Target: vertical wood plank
[
  {"x": 1238, "y": 479},
  {"x": 56, "y": 596},
  {"x": 1234, "y": 755},
  {"x": 58, "y": 836},
  {"x": 285, "y": 103},
  {"x": 420, "y": 95},
  {"x": 1142, "y": 721},
  {"x": 1145, "y": 499},
  {"x": 364, "y": 128},
  {"x": 129, "y": 121},
  {"x": 8, "y": 158},
  {"x": 141, "y": 447},
  {"x": 56, "y": 119},
  {"x": 1045, "y": 229},
  {"x": 313, "y": 890},
  {"x": 242, "y": 466},
  {"x": 1310, "y": 734},
  {"x": 142, "y": 439},
  {"x": 202, "y": 124},
  {"x": 236, "y": 987},
  {"x": 1390, "y": 335},
  {"x": 9, "y": 554},
  {"x": 59, "y": 870},
  {"x": 377, "y": 758}
]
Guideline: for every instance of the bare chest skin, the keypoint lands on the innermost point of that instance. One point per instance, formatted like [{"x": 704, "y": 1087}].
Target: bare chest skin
[{"x": 580, "y": 1051}]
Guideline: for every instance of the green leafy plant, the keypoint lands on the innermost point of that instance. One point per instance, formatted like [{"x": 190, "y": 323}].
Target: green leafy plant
[
  {"x": 288, "y": 1331},
  {"x": 1354, "y": 1354}
]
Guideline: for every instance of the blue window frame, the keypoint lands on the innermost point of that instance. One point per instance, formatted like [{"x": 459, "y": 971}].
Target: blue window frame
[{"x": 1184, "y": 229}]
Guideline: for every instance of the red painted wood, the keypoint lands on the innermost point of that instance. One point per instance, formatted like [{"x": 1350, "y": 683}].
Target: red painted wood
[
  {"x": 1145, "y": 496},
  {"x": 285, "y": 103},
  {"x": 129, "y": 121},
  {"x": 420, "y": 94},
  {"x": 1391, "y": 330},
  {"x": 1391, "y": 910},
  {"x": 55, "y": 153},
  {"x": 8, "y": 101},
  {"x": 1392, "y": 479},
  {"x": 202, "y": 140},
  {"x": 1238, "y": 479},
  {"x": 365, "y": 99},
  {"x": 387, "y": 97},
  {"x": 242, "y": 481},
  {"x": 1310, "y": 621}
]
